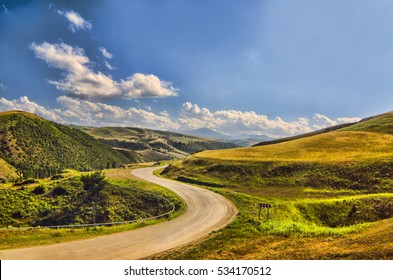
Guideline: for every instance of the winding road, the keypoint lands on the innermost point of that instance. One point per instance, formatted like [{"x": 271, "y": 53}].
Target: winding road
[{"x": 206, "y": 212}]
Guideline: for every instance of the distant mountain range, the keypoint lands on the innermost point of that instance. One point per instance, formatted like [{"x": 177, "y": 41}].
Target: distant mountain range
[{"x": 239, "y": 139}]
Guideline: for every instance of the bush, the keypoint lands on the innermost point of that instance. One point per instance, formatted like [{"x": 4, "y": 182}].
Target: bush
[
  {"x": 94, "y": 182},
  {"x": 58, "y": 191},
  {"x": 41, "y": 189}
]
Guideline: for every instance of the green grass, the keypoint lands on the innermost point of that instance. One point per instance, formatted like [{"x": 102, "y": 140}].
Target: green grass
[
  {"x": 295, "y": 230},
  {"x": 380, "y": 124},
  {"x": 121, "y": 183},
  {"x": 7, "y": 171},
  {"x": 332, "y": 195},
  {"x": 40, "y": 148}
]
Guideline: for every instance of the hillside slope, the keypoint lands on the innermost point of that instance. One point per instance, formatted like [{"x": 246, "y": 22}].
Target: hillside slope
[
  {"x": 40, "y": 148},
  {"x": 356, "y": 157},
  {"x": 154, "y": 145}
]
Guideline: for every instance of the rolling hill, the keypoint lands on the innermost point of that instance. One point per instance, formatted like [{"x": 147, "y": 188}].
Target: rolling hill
[
  {"x": 330, "y": 191},
  {"x": 41, "y": 148},
  {"x": 355, "y": 156},
  {"x": 154, "y": 145}
]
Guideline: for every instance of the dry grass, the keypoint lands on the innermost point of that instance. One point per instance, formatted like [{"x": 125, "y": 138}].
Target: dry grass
[{"x": 333, "y": 147}]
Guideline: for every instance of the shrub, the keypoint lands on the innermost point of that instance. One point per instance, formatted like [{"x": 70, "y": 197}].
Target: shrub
[
  {"x": 94, "y": 182},
  {"x": 58, "y": 191},
  {"x": 41, "y": 189}
]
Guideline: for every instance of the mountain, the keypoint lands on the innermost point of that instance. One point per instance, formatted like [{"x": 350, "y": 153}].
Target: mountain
[
  {"x": 40, "y": 148},
  {"x": 153, "y": 145},
  {"x": 208, "y": 133},
  {"x": 240, "y": 140}
]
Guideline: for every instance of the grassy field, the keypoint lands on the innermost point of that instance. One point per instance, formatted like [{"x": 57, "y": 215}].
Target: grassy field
[
  {"x": 331, "y": 196},
  {"x": 338, "y": 226},
  {"x": 128, "y": 198},
  {"x": 333, "y": 147}
]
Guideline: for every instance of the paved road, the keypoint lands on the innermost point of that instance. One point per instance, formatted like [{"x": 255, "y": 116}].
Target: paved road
[{"x": 206, "y": 211}]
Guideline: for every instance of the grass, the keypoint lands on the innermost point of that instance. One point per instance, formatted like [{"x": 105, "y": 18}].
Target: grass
[
  {"x": 15, "y": 238},
  {"x": 290, "y": 234},
  {"x": 333, "y": 147},
  {"x": 7, "y": 171},
  {"x": 331, "y": 194}
]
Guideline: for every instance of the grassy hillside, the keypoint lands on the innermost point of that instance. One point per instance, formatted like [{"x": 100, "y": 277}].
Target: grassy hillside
[
  {"x": 327, "y": 188},
  {"x": 41, "y": 148},
  {"x": 332, "y": 147},
  {"x": 154, "y": 145},
  {"x": 7, "y": 172},
  {"x": 69, "y": 202}
]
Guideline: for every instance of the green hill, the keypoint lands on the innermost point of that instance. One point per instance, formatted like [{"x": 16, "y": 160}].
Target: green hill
[
  {"x": 330, "y": 191},
  {"x": 154, "y": 145},
  {"x": 357, "y": 156},
  {"x": 40, "y": 148}
]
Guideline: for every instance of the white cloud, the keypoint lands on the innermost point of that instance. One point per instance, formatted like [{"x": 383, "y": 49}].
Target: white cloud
[
  {"x": 246, "y": 122},
  {"x": 348, "y": 120},
  {"x": 109, "y": 66},
  {"x": 24, "y": 104},
  {"x": 93, "y": 113},
  {"x": 3, "y": 86},
  {"x": 81, "y": 81},
  {"x": 142, "y": 86},
  {"x": 321, "y": 121},
  {"x": 230, "y": 122},
  {"x": 77, "y": 22},
  {"x": 84, "y": 112},
  {"x": 105, "y": 53},
  {"x": 237, "y": 122}
]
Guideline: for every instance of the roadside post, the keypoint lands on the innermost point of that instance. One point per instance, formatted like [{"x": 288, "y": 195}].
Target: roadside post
[
  {"x": 93, "y": 213},
  {"x": 264, "y": 205}
]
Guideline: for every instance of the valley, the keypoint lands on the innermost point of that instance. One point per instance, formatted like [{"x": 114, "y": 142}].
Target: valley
[{"x": 331, "y": 190}]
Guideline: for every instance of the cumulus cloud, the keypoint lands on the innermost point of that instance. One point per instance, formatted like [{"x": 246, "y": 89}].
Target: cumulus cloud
[
  {"x": 237, "y": 122},
  {"x": 24, "y": 104},
  {"x": 96, "y": 113},
  {"x": 77, "y": 22},
  {"x": 248, "y": 122},
  {"x": 146, "y": 86},
  {"x": 232, "y": 122},
  {"x": 84, "y": 112},
  {"x": 321, "y": 121},
  {"x": 81, "y": 81}
]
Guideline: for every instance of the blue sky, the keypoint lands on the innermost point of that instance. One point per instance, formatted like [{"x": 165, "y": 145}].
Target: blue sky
[{"x": 276, "y": 68}]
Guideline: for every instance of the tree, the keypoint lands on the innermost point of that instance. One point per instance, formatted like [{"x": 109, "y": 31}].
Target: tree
[{"x": 94, "y": 182}]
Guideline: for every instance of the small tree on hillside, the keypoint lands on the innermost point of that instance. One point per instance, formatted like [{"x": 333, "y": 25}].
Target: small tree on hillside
[{"x": 94, "y": 182}]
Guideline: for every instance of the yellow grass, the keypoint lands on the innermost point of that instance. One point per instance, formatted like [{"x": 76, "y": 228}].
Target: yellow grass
[{"x": 340, "y": 146}]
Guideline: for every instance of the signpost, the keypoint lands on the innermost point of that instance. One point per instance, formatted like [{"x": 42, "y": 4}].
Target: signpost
[{"x": 264, "y": 205}]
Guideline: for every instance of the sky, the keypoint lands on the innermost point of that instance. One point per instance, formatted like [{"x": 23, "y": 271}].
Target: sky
[{"x": 256, "y": 67}]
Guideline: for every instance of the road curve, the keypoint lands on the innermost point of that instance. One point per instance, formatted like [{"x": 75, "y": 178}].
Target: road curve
[{"x": 206, "y": 212}]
